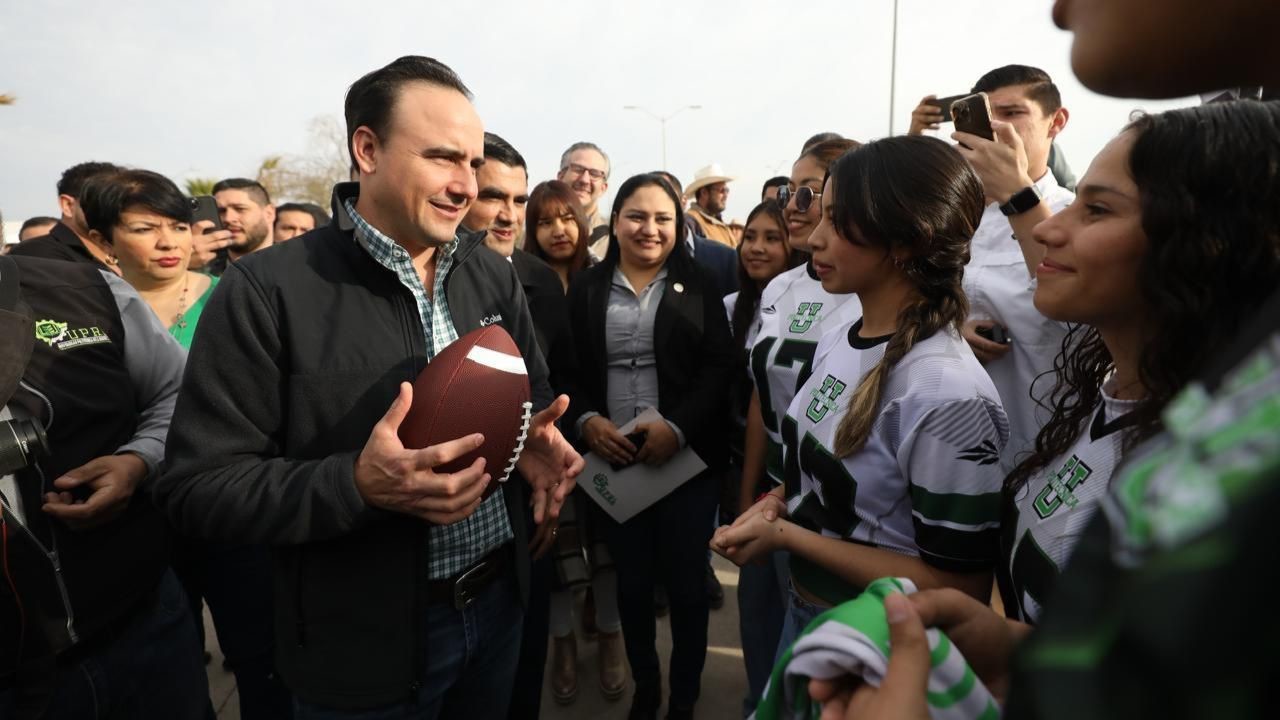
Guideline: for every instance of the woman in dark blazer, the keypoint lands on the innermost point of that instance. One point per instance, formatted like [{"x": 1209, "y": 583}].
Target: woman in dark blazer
[{"x": 650, "y": 331}]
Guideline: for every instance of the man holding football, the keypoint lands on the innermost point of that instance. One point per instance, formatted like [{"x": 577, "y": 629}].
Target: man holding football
[{"x": 398, "y": 588}]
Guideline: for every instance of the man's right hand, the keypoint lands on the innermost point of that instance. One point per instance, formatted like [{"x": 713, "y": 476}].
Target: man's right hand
[
  {"x": 392, "y": 477},
  {"x": 204, "y": 248},
  {"x": 925, "y": 116},
  {"x": 986, "y": 350}
]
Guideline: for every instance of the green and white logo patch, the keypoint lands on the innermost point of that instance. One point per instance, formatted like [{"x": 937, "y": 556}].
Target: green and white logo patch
[
  {"x": 825, "y": 398},
  {"x": 806, "y": 314},
  {"x": 60, "y": 336}
]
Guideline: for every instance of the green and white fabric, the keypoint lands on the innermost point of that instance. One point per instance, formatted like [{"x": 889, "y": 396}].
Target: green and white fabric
[
  {"x": 853, "y": 639},
  {"x": 1054, "y": 506},
  {"x": 795, "y": 312},
  {"x": 927, "y": 482}
]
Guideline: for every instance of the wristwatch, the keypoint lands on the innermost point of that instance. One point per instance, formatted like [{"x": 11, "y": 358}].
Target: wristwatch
[{"x": 1022, "y": 201}]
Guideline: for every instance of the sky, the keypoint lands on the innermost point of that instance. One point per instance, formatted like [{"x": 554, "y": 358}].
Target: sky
[{"x": 210, "y": 89}]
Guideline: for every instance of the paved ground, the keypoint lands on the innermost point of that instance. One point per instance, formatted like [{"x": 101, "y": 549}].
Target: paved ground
[{"x": 723, "y": 681}]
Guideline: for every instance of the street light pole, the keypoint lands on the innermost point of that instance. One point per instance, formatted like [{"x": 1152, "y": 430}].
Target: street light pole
[
  {"x": 662, "y": 120},
  {"x": 893, "y": 66}
]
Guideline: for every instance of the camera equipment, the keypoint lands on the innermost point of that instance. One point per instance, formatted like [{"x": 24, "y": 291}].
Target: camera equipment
[{"x": 21, "y": 442}]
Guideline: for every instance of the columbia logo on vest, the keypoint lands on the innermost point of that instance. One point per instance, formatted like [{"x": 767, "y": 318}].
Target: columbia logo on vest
[{"x": 488, "y": 320}]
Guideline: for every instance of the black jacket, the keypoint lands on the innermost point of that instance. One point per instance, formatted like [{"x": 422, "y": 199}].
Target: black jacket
[
  {"x": 76, "y": 585},
  {"x": 299, "y": 352},
  {"x": 720, "y": 260},
  {"x": 550, "y": 311},
  {"x": 691, "y": 344},
  {"x": 61, "y": 243}
]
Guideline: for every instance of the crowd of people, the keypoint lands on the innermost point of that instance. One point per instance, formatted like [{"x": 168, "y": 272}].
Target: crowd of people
[{"x": 950, "y": 364}]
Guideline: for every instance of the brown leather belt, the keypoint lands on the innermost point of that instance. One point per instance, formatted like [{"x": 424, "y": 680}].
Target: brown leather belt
[{"x": 461, "y": 589}]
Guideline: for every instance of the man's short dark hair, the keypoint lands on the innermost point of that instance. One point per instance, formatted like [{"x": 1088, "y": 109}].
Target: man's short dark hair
[
  {"x": 316, "y": 212},
  {"x": 1041, "y": 90},
  {"x": 820, "y": 138},
  {"x": 495, "y": 148},
  {"x": 74, "y": 177},
  {"x": 105, "y": 197},
  {"x": 777, "y": 181},
  {"x": 254, "y": 189},
  {"x": 36, "y": 222},
  {"x": 371, "y": 99}
]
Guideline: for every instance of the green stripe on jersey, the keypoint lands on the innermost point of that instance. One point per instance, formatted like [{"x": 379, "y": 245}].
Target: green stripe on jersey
[{"x": 958, "y": 508}]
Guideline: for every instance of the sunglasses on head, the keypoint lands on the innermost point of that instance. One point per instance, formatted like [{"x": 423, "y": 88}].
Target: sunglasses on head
[{"x": 804, "y": 196}]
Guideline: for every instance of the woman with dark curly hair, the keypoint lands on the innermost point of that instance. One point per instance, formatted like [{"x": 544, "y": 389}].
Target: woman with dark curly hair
[
  {"x": 892, "y": 443},
  {"x": 1163, "y": 255}
]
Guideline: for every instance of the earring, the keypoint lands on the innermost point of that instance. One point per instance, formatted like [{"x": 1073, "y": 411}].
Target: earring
[{"x": 112, "y": 259}]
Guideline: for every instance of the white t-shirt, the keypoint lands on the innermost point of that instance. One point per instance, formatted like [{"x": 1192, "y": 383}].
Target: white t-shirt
[
  {"x": 1000, "y": 288},
  {"x": 794, "y": 313},
  {"x": 926, "y": 483},
  {"x": 1054, "y": 506}
]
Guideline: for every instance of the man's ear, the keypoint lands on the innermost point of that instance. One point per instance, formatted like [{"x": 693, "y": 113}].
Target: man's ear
[
  {"x": 365, "y": 146},
  {"x": 1058, "y": 122},
  {"x": 269, "y": 214},
  {"x": 67, "y": 206}
]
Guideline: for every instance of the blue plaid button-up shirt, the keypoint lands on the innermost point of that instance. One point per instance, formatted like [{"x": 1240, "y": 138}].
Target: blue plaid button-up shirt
[{"x": 453, "y": 547}]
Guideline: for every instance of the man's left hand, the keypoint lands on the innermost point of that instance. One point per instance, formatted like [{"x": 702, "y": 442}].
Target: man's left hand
[
  {"x": 1001, "y": 164},
  {"x": 660, "y": 443},
  {"x": 112, "y": 480},
  {"x": 549, "y": 463}
]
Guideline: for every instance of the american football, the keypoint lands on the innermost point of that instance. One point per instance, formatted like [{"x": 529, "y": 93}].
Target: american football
[{"x": 478, "y": 384}]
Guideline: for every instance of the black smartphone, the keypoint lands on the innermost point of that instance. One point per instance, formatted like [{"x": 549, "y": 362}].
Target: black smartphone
[
  {"x": 637, "y": 439},
  {"x": 204, "y": 207},
  {"x": 995, "y": 333},
  {"x": 972, "y": 114},
  {"x": 944, "y": 104}
]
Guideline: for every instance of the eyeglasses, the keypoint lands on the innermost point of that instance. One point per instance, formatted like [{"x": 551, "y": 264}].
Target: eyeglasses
[
  {"x": 578, "y": 170},
  {"x": 804, "y": 196}
]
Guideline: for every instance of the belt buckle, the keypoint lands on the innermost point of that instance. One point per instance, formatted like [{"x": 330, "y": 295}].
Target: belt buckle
[{"x": 462, "y": 594}]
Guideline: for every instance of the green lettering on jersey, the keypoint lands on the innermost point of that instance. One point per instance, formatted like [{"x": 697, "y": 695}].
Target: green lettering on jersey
[
  {"x": 824, "y": 399},
  {"x": 1059, "y": 489},
  {"x": 805, "y": 315}
]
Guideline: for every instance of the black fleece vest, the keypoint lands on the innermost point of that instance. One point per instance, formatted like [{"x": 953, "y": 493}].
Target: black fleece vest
[{"x": 78, "y": 387}]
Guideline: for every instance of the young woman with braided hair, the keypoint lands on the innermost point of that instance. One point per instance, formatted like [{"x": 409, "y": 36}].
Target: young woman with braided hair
[{"x": 892, "y": 443}]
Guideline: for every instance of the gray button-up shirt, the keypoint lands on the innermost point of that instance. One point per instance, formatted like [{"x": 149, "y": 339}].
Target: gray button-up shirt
[{"x": 632, "y": 373}]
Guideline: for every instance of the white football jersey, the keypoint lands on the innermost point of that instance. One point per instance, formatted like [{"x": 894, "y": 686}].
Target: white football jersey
[
  {"x": 1054, "y": 506},
  {"x": 926, "y": 483},
  {"x": 794, "y": 313}
]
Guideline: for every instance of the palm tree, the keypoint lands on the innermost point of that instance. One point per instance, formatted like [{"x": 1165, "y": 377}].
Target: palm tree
[{"x": 200, "y": 186}]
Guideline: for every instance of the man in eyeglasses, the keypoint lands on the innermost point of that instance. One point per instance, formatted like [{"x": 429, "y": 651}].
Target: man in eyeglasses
[{"x": 585, "y": 168}]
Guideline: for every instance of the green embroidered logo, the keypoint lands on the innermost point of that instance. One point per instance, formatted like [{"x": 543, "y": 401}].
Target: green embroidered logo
[
  {"x": 59, "y": 336},
  {"x": 805, "y": 316},
  {"x": 1058, "y": 490},
  {"x": 50, "y": 331},
  {"x": 824, "y": 399}
]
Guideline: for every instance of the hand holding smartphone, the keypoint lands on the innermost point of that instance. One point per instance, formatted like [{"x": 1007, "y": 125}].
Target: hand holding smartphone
[
  {"x": 636, "y": 439},
  {"x": 972, "y": 115},
  {"x": 204, "y": 207},
  {"x": 995, "y": 333},
  {"x": 944, "y": 104}
]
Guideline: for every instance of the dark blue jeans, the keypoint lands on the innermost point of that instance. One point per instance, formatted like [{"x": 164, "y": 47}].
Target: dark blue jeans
[
  {"x": 151, "y": 668},
  {"x": 471, "y": 663},
  {"x": 665, "y": 544},
  {"x": 762, "y": 608}
]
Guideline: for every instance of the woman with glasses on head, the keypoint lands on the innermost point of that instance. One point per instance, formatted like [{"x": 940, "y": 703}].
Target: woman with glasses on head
[
  {"x": 651, "y": 333},
  {"x": 146, "y": 221},
  {"x": 892, "y": 442}
]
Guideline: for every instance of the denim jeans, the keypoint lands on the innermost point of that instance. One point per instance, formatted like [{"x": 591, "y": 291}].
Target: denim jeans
[
  {"x": 800, "y": 613},
  {"x": 762, "y": 609},
  {"x": 471, "y": 662},
  {"x": 151, "y": 668}
]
